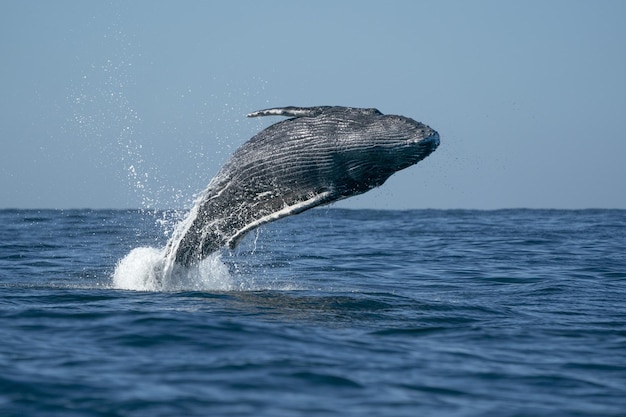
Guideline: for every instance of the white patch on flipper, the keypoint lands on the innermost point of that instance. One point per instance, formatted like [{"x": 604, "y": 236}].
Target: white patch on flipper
[
  {"x": 284, "y": 212},
  {"x": 290, "y": 111}
]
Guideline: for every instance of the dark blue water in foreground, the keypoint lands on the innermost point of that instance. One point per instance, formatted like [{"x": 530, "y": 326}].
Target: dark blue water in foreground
[{"x": 329, "y": 313}]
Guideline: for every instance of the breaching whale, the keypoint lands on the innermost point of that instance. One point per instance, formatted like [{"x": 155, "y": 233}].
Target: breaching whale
[{"x": 317, "y": 156}]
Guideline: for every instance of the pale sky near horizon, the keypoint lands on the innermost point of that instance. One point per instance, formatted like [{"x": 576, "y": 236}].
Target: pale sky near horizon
[{"x": 116, "y": 104}]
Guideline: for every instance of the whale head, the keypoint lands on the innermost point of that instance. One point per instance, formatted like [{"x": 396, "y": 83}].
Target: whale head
[
  {"x": 377, "y": 146},
  {"x": 405, "y": 141}
]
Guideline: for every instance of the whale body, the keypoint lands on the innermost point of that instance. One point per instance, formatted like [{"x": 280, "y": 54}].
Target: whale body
[{"x": 317, "y": 156}]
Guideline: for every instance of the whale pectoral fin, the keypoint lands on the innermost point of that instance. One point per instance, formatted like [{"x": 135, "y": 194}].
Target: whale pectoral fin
[
  {"x": 290, "y": 111},
  {"x": 317, "y": 200}
]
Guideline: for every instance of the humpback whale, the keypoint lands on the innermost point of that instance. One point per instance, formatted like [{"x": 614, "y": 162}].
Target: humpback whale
[{"x": 317, "y": 156}]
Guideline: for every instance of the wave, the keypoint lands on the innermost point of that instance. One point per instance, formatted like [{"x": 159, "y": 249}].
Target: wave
[{"x": 148, "y": 269}]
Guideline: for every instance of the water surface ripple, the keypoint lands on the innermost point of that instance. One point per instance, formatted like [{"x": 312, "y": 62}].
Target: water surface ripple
[{"x": 331, "y": 313}]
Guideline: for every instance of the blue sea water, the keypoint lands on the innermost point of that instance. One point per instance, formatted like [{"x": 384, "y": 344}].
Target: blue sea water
[{"x": 329, "y": 313}]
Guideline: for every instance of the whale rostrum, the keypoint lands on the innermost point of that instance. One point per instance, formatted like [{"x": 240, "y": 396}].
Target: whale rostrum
[{"x": 318, "y": 156}]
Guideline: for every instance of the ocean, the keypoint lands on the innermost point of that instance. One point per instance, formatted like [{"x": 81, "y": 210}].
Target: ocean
[{"x": 332, "y": 312}]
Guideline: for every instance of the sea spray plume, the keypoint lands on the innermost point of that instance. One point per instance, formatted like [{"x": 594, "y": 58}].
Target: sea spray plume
[{"x": 318, "y": 156}]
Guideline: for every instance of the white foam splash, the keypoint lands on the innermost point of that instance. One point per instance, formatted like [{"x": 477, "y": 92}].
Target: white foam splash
[{"x": 144, "y": 269}]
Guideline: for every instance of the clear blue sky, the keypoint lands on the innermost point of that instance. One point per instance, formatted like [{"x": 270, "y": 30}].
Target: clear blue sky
[{"x": 108, "y": 104}]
